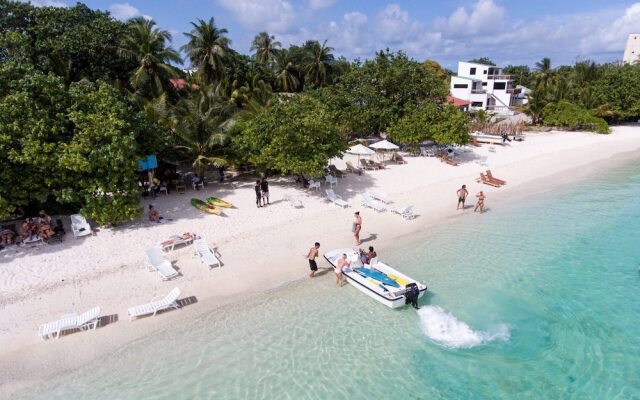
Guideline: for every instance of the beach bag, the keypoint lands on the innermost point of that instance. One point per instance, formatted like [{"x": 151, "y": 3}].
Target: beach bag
[{"x": 353, "y": 227}]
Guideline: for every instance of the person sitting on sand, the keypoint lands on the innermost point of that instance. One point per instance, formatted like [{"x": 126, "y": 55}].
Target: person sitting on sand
[
  {"x": 154, "y": 214},
  {"x": 44, "y": 217},
  {"x": 45, "y": 230},
  {"x": 6, "y": 236},
  {"x": 342, "y": 263},
  {"x": 27, "y": 230},
  {"x": 480, "y": 203}
]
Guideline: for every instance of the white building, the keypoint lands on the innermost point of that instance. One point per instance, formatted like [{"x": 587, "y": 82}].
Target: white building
[
  {"x": 632, "y": 51},
  {"x": 486, "y": 87}
]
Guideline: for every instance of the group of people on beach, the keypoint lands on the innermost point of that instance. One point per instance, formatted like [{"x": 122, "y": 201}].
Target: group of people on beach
[
  {"x": 462, "y": 194},
  {"x": 262, "y": 192},
  {"x": 40, "y": 227}
]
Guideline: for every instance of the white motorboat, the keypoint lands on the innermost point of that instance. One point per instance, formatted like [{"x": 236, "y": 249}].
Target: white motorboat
[{"x": 378, "y": 280}]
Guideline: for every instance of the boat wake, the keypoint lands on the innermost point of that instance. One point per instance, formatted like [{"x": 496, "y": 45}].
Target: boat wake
[{"x": 445, "y": 329}]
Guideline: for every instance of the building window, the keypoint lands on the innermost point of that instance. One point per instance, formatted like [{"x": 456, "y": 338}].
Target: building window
[
  {"x": 476, "y": 104},
  {"x": 472, "y": 71},
  {"x": 499, "y": 85},
  {"x": 460, "y": 86},
  {"x": 484, "y": 83},
  {"x": 484, "y": 72}
]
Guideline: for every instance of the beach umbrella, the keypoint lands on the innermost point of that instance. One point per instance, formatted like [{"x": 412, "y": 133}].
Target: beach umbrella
[
  {"x": 360, "y": 150},
  {"x": 384, "y": 145}
]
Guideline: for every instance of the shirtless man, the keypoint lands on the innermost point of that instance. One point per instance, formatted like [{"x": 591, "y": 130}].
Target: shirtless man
[
  {"x": 45, "y": 231},
  {"x": 480, "y": 203},
  {"x": 371, "y": 255},
  {"x": 342, "y": 263},
  {"x": 462, "y": 196},
  {"x": 313, "y": 253}
]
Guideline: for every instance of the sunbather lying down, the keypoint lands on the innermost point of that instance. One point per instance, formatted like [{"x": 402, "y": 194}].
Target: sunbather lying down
[{"x": 178, "y": 238}]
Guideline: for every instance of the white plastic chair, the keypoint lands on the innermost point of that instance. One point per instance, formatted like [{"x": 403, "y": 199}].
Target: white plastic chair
[
  {"x": 206, "y": 254},
  {"x": 79, "y": 226},
  {"x": 367, "y": 201},
  {"x": 335, "y": 199},
  {"x": 156, "y": 304},
  {"x": 313, "y": 184},
  {"x": 157, "y": 262},
  {"x": 331, "y": 180}
]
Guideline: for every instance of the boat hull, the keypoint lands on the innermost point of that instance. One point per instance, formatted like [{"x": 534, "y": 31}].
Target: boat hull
[
  {"x": 367, "y": 286},
  {"x": 204, "y": 207},
  {"x": 214, "y": 201}
]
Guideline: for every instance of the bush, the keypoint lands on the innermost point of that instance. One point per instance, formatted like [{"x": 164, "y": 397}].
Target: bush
[{"x": 572, "y": 116}]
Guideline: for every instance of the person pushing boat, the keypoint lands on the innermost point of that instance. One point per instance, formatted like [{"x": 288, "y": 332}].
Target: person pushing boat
[
  {"x": 313, "y": 253},
  {"x": 342, "y": 263}
]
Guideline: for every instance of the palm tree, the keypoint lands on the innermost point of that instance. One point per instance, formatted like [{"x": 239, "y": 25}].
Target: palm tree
[
  {"x": 286, "y": 74},
  {"x": 545, "y": 74},
  {"x": 146, "y": 45},
  {"x": 266, "y": 47},
  {"x": 201, "y": 125},
  {"x": 206, "y": 50},
  {"x": 317, "y": 62}
]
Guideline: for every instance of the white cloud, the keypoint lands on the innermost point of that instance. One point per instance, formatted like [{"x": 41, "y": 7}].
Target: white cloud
[
  {"x": 273, "y": 16},
  {"x": 125, "y": 11},
  {"x": 485, "y": 17},
  {"x": 613, "y": 36},
  {"x": 395, "y": 25},
  {"x": 46, "y": 3},
  {"x": 319, "y": 4}
]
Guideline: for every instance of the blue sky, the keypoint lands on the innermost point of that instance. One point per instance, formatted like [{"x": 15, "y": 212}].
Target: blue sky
[{"x": 508, "y": 32}]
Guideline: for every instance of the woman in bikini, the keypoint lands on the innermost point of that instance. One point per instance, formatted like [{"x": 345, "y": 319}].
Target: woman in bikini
[
  {"x": 480, "y": 203},
  {"x": 357, "y": 226}
]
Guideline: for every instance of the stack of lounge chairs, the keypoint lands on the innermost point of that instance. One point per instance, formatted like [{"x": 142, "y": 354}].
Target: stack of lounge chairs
[{"x": 489, "y": 179}]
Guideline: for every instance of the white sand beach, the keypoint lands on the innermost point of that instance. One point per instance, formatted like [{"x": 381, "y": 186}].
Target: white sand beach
[{"x": 260, "y": 248}]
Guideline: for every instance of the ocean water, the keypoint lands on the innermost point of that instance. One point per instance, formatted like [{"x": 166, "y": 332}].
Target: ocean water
[{"x": 534, "y": 300}]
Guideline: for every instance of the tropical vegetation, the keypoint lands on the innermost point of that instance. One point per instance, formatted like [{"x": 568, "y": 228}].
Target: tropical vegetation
[{"x": 83, "y": 96}]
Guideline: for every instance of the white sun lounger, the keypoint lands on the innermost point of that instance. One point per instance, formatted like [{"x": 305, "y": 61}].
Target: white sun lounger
[
  {"x": 157, "y": 262},
  {"x": 405, "y": 212},
  {"x": 367, "y": 201},
  {"x": 156, "y": 304},
  {"x": 70, "y": 321},
  {"x": 79, "y": 226},
  {"x": 206, "y": 254},
  {"x": 335, "y": 198},
  {"x": 294, "y": 201},
  {"x": 380, "y": 196}
]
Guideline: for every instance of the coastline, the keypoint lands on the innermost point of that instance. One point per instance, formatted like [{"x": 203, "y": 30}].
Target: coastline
[{"x": 562, "y": 158}]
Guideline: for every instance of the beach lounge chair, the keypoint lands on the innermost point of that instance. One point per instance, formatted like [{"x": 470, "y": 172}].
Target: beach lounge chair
[
  {"x": 375, "y": 165},
  {"x": 294, "y": 201},
  {"x": 367, "y": 201},
  {"x": 353, "y": 169},
  {"x": 494, "y": 179},
  {"x": 380, "y": 197},
  {"x": 336, "y": 172},
  {"x": 70, "y": 321},
  {"x": 405, "y": 212},
  {"x": 313, "y": 184},
  {"x": 79, "y": 226},
  {"x": 483, "y": 179},
  {"x": 206, "y": 254},
  {"x": 427, "y": 152},
  {"x": 331, "y": 180},
  {"x": 335, "y": 199},
  {"x": 365, "y": 164},
  {"x": 399, "y": 159},
  {"x": 175, "y": 240},
  {"x": 157, "y": 262},
  {"x": 156, "y": 304}
]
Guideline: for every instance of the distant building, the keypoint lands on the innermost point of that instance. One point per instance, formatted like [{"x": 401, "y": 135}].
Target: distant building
[
  {"x": 486, "y": 88},
  {"x": 632, "y": 50}
]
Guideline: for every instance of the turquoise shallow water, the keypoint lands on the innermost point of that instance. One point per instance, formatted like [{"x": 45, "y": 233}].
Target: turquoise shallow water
[{"x": 539, "y": 299}]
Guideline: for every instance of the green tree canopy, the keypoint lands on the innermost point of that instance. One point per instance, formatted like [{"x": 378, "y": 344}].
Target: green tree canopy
[
  {"x": 482, "y": 60},
  {"x": 444, "y": 124},
  {"x": 297, "y": 136},
  {"x": 572, "y": 116}
]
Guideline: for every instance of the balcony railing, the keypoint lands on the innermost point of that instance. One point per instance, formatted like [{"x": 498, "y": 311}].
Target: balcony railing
[
  {"x": 513, "y": 90},
  {"x": 502, "y": 77},
  {"x": 478, "y": 91}
]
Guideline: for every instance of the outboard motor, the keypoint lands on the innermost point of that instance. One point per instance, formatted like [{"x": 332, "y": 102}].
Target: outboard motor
[{"x": 412, "y": 291}]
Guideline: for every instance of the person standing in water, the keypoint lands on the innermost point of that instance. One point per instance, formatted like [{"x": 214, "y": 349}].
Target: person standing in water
[
  {"x": 357, "y": 227},
  {"x": 462, "y": 196},
  {"x": 342, "y": 263},
  {"x": 313, "y": 253},
  {"x": 480, "y": 203}
]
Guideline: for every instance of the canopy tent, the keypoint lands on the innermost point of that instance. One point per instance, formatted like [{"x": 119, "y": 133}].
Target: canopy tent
[{"x": 384, "y": 145}]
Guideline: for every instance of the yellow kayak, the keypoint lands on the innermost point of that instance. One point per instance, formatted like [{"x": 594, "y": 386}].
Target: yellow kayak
[
  {"x": 208, "y": 208},
  {"x": 214, "y": 201}
]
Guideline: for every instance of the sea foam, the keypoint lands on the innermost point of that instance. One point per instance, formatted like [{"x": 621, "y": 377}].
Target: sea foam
[{"x": 444, "y": 328}]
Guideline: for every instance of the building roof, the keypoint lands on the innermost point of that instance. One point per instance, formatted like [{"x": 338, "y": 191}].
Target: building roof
[
  {"x": 180, "y": 84},
  {"x": 457, "y": 102}
]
